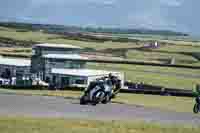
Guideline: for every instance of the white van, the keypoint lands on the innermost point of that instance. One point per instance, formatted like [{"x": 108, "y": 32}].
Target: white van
[{"x": 4, "y": 81}]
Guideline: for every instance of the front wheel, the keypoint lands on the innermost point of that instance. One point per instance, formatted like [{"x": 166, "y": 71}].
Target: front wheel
[
  {"x": 106, "y": 100},
  {"x": 83, "y": 100},
  {"x": 196, "y": 108}
]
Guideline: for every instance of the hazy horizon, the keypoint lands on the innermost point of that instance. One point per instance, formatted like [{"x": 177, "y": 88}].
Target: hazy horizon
[{"x": 175, "y": 15}]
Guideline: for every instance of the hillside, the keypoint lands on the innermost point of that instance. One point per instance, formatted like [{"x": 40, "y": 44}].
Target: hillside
[
  {"x": 62, "y": 28},
  {"x": 18, "y": 42}
]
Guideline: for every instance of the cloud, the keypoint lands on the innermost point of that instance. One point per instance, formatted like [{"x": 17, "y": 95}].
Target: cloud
[
  {"x": 152, "y": 20},
  {"x": 171, "y": 3},
  {"x": 156, "y": 14},
  {"x": 99, "y": 2},
  {"x": 72, "y": 2},
  {"x": 102, "y": 2}
]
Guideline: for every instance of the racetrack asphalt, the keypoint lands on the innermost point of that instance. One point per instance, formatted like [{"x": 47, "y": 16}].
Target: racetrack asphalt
[{"x": 58, "y": 107}]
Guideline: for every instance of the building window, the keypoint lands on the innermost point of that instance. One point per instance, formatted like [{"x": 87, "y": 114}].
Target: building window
[
  {"x": 80, "y": 81},
  {"x": 47, "y": 79},
  {"x": 19, "y": 72},
  {"x": 54, "y": 79},
  {"x": 73, "y": 65},
  {"x": 6, "y": 74},
  {"x": 19, "y": 75},
  {"x": 33, "y": 52}
]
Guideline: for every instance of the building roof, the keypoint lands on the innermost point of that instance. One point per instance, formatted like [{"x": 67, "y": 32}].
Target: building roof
[
  {"x": 14, "y": 61},
  {"x": 64, "y": 56},
  {"x": 51, "y": 45},
  {"x": 81, "y": 72}
]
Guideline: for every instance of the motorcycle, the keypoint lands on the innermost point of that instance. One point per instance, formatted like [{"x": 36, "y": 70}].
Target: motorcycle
[
  {"x": 196, "y": 108},
  {"x": 100, "y": 91}
]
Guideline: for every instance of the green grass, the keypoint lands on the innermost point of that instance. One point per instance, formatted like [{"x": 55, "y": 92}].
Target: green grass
[
  {"x": 16, "y": 51},
  {"x": 132, "y": 54},
  {"x": 50, "y": 38},
  {"x": 180, "y": 48},
  {"x": 94, "y": 45},
  {"x": 167, "y": 77},
  {"x": 134, "y": 73},
  {"x": 182, "y": 54},
  {"x": 160, "y": 57},
  {"x": 34, "y": 36},
  {"x": 178, "y": 104},
  {"x": 33, "y": 125},
  {"x": 166, "y": 39}
]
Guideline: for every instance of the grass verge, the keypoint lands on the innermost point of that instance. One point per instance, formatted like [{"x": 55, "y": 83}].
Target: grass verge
[
  {"x": 32, "y": 125},
  {"x": 166, "y": 77}
]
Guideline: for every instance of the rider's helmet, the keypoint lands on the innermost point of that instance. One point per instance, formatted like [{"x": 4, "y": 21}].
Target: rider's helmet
[
  {"x": 198, "y": 89},
  {"x": 110, "y": 75}
]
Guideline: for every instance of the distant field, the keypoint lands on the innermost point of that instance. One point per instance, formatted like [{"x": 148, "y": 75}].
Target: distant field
[
  {"x": 183, "y": 40},
  {"x": 15, "y": 51},
  {"x": 161, "y": 57},
  {"x": 14, "y": 34},
  {"x": 34, "y": 125},
  {"x": 184, "y": 53},
  {"x": 42, "y": 37},
  {"x": 167, "y": 77}
]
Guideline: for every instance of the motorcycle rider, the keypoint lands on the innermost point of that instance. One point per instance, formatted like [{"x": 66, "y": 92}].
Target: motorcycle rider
[
  {"x": 103, "y": 88},
  {"x": 197, "y": 94},
  {"x": 112, "y": 78},
  {"x": 115, "y": 82}
]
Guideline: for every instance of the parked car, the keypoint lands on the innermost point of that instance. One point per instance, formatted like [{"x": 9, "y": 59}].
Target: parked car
[{"x": 4, "y": 81}]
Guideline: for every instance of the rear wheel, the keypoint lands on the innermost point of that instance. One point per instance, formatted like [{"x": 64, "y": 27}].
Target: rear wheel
[
  {"x": 94, "y": 103},
  {"x": 196, "y": 108}
]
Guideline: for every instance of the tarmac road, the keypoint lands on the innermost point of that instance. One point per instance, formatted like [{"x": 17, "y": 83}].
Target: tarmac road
[{"x": 58, "y": 107}]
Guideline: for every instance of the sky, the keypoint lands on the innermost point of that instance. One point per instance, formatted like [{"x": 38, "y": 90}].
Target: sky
[{"x": 177, "y": 15}]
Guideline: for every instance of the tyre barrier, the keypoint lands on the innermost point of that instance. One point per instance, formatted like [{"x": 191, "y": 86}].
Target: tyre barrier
[
  {"x": 157, "y": 90},
  {"x": 142, "y": 89},
  {"x": 180, "y": 93}
]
